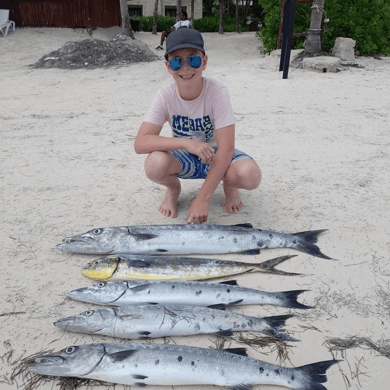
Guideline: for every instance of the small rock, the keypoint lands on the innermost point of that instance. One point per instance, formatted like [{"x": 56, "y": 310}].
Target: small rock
[
  {"x": 321, "y": 64},
  {"x": 344, "y": 49}
]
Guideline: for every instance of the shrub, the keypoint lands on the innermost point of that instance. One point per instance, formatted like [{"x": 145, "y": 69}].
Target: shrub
[
  {"x": 163, "y": 22},
  {"x": 211, "y": 24},
  {"x": 365, "y": 21}
]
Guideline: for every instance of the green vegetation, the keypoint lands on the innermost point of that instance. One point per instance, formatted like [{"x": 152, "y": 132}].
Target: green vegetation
[
  {"x": 365, "y": 21},
  {"x": 163, "y": 22}
]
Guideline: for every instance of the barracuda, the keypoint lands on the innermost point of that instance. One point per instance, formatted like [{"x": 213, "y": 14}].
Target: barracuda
[
  {"x": 152, "y": 321},
  {"x": 183, "y": 293},
  {"x": 129, "y": 267},
  {"x": 189, "y": 239},
  {"x": 137, "y": 364}
]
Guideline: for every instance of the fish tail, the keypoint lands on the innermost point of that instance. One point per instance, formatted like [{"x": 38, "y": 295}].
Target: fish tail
[
  {"x": 276, "y": 324},
  {"x": 289, "y": 299},
  {"x": 307, "y": 242},
  {"x": 314, "y": 374},
  {"x": 269, "y": 266}
]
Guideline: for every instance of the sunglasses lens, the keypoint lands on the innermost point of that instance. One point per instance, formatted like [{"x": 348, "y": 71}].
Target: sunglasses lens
[
  {"x": 194, "y": 61},
  {"x": 176, "y": 63}
]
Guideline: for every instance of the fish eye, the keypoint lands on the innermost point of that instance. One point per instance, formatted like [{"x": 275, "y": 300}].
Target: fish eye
[
  {"x": 100, "y": 285},
  {"x": 88, "y": 313},
  {"x": 97, "y": 231},
  {"x": 70, "y": 350}
]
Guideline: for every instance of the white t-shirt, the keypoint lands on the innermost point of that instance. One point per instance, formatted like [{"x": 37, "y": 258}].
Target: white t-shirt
[
  {"x": 196, "y": 118},
  {"x": 182, "y": 23}
]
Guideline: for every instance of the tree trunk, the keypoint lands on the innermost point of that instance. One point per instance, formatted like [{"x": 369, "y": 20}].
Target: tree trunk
[
  {"x": 237, "y": 21},
  {"x": 192, "y": 10},
  {"x": 178, "y": 10},
  {"x": 221, "y": 9},
  {"x": 154, "y": 28},
  {"x": 126, "y": 26},
  {"x": 313, "y": 42}
]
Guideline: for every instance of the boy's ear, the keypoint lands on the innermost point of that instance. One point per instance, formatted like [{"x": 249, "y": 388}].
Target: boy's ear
[{"x": 205, "y": 59}]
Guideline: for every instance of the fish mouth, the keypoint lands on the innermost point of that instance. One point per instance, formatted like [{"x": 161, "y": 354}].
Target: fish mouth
[{"x": 45, "y": 361}]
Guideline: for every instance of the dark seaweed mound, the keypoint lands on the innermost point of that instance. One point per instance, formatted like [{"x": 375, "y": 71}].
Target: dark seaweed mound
[{"x": 95, "y": 53}]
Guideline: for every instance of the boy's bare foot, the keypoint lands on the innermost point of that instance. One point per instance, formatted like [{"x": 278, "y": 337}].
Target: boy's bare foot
[
  {"x": 233, "y": 202},
  {"x": 168, "y": 207}
]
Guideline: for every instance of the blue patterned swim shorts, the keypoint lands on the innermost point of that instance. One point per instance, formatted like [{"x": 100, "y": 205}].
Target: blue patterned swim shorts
[{"x": 193, "y": 168}]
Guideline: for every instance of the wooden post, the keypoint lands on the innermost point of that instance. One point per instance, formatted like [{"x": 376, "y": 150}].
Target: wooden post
[
  {"x": 178, "y": 10},
  {"x": 221, "y": 10},
  {"x": 313, "y": 42}
]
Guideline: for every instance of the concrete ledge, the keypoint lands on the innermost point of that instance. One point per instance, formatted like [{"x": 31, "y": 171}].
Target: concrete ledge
[{"x": 321, "y": 64}]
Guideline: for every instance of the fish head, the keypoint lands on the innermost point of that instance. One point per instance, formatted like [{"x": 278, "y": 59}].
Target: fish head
[
  {"x": 101, "y": 269},
  {"x": 91, "y": 321},
  {"x": 96, "y": 241},
  {"x": 71, "y": 361},
  {"x": 101, "y": 293}
]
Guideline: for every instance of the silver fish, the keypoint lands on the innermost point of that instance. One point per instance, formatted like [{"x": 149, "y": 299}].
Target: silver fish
[
  {"x": 135, "y": 292},
  {"x": 152, "y": 321},
  {"x": 129, "y": 267},
  {"x": 138, "y": 364},
  {"x": 189, "y": 239}
]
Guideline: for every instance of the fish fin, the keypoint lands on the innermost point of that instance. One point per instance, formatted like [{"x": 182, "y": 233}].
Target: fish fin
[
  {"x": 308, "y": 245},
  {"x": 244, "y": 225},
  {"x": 255, "y": 251},
  {"x": 151, "y": 303},
  {"x": 141, "y": 287},
  {"x": 230, "y": 282},
  {"x": 226, "y": 333},
  {"x": 235, "y": 302},
  {"x": 218, "y": 306},
  {"x": 289, "y": 299},
  {"x": 276, "y": 324},
  {"x": 122, "y": 355},
  {"x": 161, "y": 250},
  {"x": 269, "y": 266},
  {"x": 140, "y": 384},
  {"x": 145, "y": 333},
  {"x": 136, "y": 376},
  {"x": 236, "y": 351},
  {"x": 243, "y": 386},
  {"x": 141, "y": 236},
  {"x": 315, "y": 374}
]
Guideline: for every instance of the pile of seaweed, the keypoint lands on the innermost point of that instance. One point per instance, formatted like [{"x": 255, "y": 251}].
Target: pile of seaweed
[{"x": 95, "y": 53}]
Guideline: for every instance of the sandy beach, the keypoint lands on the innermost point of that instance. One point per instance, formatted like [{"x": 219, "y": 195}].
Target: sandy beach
[{"x": 67, "y": 165}]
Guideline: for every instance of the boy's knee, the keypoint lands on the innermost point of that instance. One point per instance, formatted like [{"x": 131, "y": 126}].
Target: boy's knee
[
  {"x": 245, "y": 175},
  {"x": 156, "y": 165}
]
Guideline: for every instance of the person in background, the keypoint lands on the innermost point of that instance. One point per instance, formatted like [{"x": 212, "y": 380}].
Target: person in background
[{"x": 182, "y": 23}]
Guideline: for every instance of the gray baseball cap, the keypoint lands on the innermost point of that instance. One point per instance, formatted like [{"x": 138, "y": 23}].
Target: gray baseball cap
[{"x": 184, "y": 38}]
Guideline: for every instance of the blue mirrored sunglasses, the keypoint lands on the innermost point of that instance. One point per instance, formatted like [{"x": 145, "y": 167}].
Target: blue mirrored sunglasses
[{"x": 193, "y": 61}]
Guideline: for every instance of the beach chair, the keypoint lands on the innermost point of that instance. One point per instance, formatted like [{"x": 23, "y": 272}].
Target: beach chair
[{"x": 5, "y": 23}]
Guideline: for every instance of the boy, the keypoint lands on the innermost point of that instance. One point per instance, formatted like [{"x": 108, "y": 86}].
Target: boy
[
  {"x": 202, "y": 122},
  {"x": 182, "y": 23}
]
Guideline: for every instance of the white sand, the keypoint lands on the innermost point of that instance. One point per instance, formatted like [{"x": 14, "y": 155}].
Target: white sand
[{"x": 68, "y": 165}]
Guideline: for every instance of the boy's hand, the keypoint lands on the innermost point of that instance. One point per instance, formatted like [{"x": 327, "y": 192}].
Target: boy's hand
[
  {"x": 198, "y": 212},
  {"x": 202, "y": 149}
]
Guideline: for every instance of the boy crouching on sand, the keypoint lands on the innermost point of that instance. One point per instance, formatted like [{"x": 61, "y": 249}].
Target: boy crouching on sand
[{"x": 202, "y": 121}]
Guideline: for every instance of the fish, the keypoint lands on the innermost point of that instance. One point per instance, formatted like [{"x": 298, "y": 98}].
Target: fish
[
  {"x": 152, "y": 321},
  {"x": 188, "y": 239},
  {"x": 142, "y": 364},
  {"x": 134, "y": 292},
  {"x": 128, "y": 267}
]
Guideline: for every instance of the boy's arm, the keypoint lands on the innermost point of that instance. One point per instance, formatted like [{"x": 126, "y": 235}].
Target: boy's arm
[
  {"x": 149, "y": 140},
  {"x": 198, "y": 212}
]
